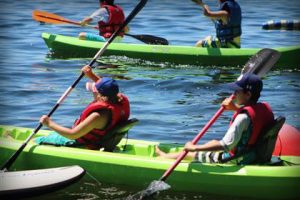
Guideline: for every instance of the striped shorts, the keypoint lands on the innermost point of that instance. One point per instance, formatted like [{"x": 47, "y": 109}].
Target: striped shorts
[
  {"x": 212, "y": 42},
  {"x": 210, "y": 156}
]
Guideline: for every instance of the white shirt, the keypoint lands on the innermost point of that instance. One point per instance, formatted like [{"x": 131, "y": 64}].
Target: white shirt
[
  {"x": 100, "y": 15},
  {"x": 235, "y": 131}
]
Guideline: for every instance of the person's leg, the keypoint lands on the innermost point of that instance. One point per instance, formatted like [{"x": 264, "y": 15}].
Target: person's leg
[
  {"x": 82, "y": 36},
  {"x": 209, "y": 42},
  {"x": 55, "y": 139},
  {"x": 174, "y": 155},
  {"x": 91, "y": 37},
  {"x": 235, "y": 43},
  {"x": 208, "y": 156}
]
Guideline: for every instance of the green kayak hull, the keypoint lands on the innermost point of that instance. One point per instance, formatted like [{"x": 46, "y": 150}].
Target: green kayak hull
[
  {"x": 137, "y": 166},
  {"x": 71, "y": 47}
]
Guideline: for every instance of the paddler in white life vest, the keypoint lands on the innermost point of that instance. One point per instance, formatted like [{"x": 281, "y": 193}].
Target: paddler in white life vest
[
  {"x": 249, "y": 120},
  {"x": 227, "y": 20},
  {"x": 109, "y": 17},
  {"x": 108, "y": 108}
]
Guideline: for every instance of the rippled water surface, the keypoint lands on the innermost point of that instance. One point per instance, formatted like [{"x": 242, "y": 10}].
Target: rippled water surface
[{"x": 172, "y": 102}]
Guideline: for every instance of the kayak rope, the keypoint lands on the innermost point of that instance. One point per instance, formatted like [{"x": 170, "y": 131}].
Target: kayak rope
[
  {"x": 126, "y": 141},
  {"x": 280, "y": 151},
  {"x": 92, "y": 177}
]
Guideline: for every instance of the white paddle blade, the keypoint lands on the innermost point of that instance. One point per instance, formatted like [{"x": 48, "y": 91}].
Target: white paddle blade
[{"x": 261, "y": 62}]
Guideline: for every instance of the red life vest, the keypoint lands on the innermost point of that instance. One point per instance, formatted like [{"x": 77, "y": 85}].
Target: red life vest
[
  {"x": 119, "y": 112},
  {"x": 116, "y": 19},
  {"x": 261, "y": 117}
]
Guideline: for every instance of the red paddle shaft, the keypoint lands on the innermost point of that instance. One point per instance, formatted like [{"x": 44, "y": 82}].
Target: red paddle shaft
[{"x": 195, "y": 140}]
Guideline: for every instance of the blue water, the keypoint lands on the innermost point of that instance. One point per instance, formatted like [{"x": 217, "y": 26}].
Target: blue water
[{"x": 172, "y": 102}]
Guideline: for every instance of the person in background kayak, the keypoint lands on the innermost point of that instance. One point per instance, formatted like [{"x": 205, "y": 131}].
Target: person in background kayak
[
  {"x": 249, "y": 120},
  {"x": 108, "y": 108},
  {"x": 227, "y": 20},
  {"x": 110, "y": 17}
]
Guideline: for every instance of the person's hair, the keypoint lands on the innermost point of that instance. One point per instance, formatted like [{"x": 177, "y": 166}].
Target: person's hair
[
  {"x": 254, "y": 96},
  {"x": 112, "y": 99},
  {"x": 109, "y": 2}
]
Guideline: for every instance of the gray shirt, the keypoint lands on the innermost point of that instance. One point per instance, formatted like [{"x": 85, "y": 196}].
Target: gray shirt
[
  {"x": 235, "y": 131},
  {"x": 100, "y": 15}
]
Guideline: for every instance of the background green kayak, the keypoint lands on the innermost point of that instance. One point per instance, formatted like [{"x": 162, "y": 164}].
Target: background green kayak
[
  {"x": 71, "y": 47},
  {"x": 137, "y": 166}
]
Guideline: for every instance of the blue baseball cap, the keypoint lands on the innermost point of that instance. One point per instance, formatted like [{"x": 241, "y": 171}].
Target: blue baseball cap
[
  {"x": 105, "y": 86},
  {"x": 248, "y": 82}
]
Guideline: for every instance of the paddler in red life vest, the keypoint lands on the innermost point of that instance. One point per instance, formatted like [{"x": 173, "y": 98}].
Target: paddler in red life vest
[
  {"x": 249, "y": 120},
  {"x": 227, "y": 20},
  {"x": 110, "y": 17},
  {"x": 108, "y": 108}
]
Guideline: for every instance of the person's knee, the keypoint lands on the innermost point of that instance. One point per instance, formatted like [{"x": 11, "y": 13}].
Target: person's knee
[
  {"x": 199, "y": 43},
  {"x": 82, "y": 36}
]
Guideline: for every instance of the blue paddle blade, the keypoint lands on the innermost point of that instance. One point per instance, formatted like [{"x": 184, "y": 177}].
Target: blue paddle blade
[{"x": 153, "y": 188}]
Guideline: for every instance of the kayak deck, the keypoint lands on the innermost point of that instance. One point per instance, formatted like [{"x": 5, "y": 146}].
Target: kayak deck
[
  {"x": 121, "y": 167},
  {"x": 71, "y": 47}
]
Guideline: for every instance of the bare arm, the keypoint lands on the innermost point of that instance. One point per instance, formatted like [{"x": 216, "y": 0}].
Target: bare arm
[
  {"x": 94, "y": 120},
  {"x": 99, "y": 15},
  {"x": 88, "y": 72},
  {"x": 213, "y": 145},
  {"x": 214, "y": 15}
]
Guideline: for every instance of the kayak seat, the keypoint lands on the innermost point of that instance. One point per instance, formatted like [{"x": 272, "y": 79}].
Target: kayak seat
[
  {"x": 266, "y": 143},
  {"x": 113, "y": 137}
]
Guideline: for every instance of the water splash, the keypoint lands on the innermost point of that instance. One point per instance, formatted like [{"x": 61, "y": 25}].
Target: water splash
[{"x": 154, "y": 188}]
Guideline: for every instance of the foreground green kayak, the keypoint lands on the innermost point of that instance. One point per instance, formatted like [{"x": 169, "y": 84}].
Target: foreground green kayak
[
  {"x": 136, "y": 165},
  {"x": 71, "y": 47}
]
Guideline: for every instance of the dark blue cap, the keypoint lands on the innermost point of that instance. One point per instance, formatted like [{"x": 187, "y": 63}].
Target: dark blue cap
[
  {"x": 105, "y": 86},
  {"x": 248, "y": 82}
]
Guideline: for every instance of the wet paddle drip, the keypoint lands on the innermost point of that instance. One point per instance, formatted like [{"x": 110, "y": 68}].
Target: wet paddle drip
[{"x": 153, "y": 188}]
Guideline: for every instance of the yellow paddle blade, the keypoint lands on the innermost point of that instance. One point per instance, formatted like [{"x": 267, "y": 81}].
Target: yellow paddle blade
[{"x": 50, "y": 18}]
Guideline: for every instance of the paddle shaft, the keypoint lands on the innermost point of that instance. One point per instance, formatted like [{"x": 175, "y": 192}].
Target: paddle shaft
[
  {"x": 195, "y": 140},
  {"x": 135, "y": 11}
]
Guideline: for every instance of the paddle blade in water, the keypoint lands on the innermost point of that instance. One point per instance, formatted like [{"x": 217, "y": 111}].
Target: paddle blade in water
[
  {"x": 261, "y": 62},
  {"x": 153, "y": 188}
]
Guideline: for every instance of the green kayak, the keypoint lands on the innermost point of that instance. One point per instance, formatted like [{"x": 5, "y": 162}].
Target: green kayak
[
  {"x": 134, "y": 163},
  {"x": 71, "y": 47}
]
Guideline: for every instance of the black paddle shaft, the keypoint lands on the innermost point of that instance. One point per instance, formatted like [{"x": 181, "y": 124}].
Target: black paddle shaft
[
  {"x": 133, "y": 13},
  {"x": 150, "y": 39}
]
